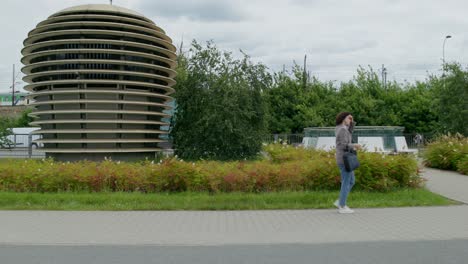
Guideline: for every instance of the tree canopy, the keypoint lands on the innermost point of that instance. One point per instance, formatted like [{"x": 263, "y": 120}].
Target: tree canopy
[
  {"x": 221, "y": 111},
  {"x": 225, "y": 106}
]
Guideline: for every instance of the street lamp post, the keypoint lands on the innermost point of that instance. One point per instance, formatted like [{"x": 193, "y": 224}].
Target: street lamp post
[
  {"x": 443, "y": 59},
  {"x": 443, "y": 50}
]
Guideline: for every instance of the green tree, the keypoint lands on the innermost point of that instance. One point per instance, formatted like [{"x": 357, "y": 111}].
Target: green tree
[
  {"x": 371, "y": 102},
  {"x": 221, "y": 112},
  {"x": 6, "y": 125},
  {"x": 24, "y": 119},
  {"x": 451, "y": 99},
  {"x": 285, "y": 99},
  {"x": 5, "y": 130},
  {"x": 297, "y": 103},
  {"x": 418, "y": 111}
]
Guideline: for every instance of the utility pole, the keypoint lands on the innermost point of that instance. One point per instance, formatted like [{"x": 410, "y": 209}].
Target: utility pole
[
  {"x": 305, "y": 71},
  {"x": 13, "y": 88},
  {"x": 181, "y": 54},
  {"x": 181, "y": 46},
  {"x": 111, "y": 2},
  {"x": 384, "y": 77}
]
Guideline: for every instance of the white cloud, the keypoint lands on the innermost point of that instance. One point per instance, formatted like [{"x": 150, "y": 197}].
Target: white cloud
[
  {"x": 201, "y": 10},
  {"x": 337, "y": 36}
]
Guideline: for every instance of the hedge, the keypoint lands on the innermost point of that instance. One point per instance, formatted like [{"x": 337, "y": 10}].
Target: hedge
[
  {"x": 448, "y": 152},
  {"x": 282, "y": 168}
]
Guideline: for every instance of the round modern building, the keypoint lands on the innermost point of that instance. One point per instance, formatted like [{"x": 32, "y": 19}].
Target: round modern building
[{"x": 100, "y": 77}]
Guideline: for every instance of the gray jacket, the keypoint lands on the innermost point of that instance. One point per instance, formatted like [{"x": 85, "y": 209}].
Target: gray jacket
[{"x": 343, "y": 140}]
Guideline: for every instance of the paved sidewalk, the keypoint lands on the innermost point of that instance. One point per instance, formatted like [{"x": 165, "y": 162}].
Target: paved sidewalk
[
  {"x": 450, "y": 184},
  {"x": 243, "y": 227},
  {"x": 232, "y": 227}
]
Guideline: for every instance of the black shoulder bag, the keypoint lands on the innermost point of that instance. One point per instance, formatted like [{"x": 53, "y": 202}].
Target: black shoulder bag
[{"x": 350, "y": 159}]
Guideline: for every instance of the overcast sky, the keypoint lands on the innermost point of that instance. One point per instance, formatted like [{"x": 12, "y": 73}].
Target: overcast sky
[{"x": 337, "y": 36}]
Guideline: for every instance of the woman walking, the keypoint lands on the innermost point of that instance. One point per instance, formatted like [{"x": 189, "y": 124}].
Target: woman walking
[{"x": 343, "y": 132}]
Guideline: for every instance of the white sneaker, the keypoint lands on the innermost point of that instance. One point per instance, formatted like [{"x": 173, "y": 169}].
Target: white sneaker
[
  {"x": 345, "y": 210},
  {"x": 337, "y": 204}
]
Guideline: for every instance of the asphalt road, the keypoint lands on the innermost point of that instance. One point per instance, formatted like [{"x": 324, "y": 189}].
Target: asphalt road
[{"x": 401, "y": 252}]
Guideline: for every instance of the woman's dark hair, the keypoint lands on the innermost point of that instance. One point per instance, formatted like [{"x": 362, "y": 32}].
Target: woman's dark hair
[{"x": 341, "y": 116}]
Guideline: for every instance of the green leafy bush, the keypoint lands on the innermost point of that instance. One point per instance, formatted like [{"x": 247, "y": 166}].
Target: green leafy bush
[
  {"x": 285, "y": 169},
  {"x": 448, "y": 152},
  {"x": 462, "y": 165},
  {"x": 283, "y": 153}
]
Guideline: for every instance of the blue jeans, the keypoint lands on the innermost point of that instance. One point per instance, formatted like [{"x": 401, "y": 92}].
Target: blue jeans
[{"x": 347, "y": 182}]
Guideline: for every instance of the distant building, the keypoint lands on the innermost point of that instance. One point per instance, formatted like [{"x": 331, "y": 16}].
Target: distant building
[
  {"x": 100, "y": 77},
  {"x": 6, "y": 99}
]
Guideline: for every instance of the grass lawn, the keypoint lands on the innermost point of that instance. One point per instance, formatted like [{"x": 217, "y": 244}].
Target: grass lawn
[{"x": 222, "y": 201}]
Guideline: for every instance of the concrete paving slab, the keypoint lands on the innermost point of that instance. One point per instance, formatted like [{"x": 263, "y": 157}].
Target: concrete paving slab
[{"x": 232, "y": 227}]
